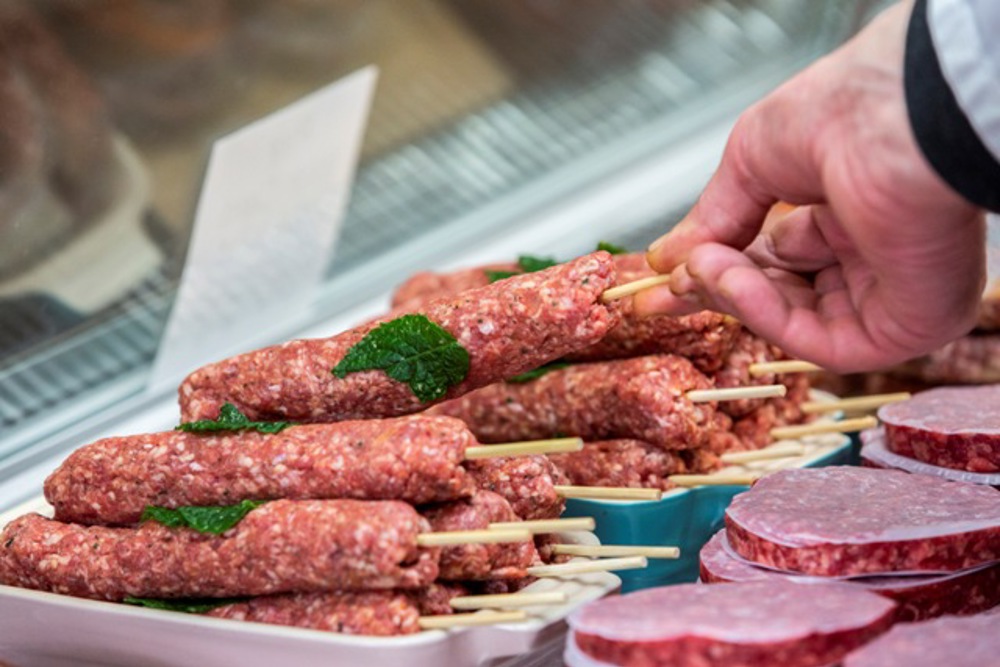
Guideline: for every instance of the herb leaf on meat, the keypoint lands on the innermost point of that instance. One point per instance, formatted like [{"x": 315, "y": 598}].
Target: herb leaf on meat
[
  {"x": 612, "y": 248},
  {"x": 537, "y": 372},
  {"x": 185, "y": 605},
  {"x": 494, "y": 276},
  {"x": 231, "y": 419},
  {"x": 530, "y": 264},
  {"x": 410, "y": 349},
  {"x": 214, "y": 520},
  {"x": 527, "y": 264}
]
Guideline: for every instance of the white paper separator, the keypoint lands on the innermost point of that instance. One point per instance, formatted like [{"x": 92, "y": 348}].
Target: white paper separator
[{"x": 265, "y": 228}]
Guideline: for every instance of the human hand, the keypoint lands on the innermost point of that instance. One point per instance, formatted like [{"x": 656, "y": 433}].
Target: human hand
[{"x": 880, "y": 262}]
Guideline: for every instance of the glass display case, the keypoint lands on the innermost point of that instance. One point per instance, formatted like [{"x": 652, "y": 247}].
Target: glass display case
[{"x": 498, "y": 127}]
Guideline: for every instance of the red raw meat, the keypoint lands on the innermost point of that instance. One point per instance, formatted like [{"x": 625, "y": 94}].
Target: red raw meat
[
  {"x": 753, "y": 624},
  {"x": 845, "y": 521},
  {"x": 919, "y": 597},
  {"x": 951, "y": 427}
]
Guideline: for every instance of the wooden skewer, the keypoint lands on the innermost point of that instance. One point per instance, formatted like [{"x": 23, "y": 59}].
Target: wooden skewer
[
  {"x": 548, "y": 525},
  {"x": 844, "y": 426},
  {"x": 615, "y": 550},
  {"x": 608, "y": 492},
  {"x": 715, "y": 480},
  {"x": 584, "y": 567},
  {"x": 465, "y": 620},
  {"x": 778, "y": 451},
  {"x": 526, "y": 448},
  {"x": 628, "y": 289},
  {"x": 454, "y": 537},
  {"x": 508, "y": 600},
  {"x": 787, "y": 366},
  {"x": 736, "y": 393},
  {"x": 855, "y": 403}
]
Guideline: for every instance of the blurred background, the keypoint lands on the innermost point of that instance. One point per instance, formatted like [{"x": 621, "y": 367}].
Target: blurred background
[{"x": 490, "y": 119}]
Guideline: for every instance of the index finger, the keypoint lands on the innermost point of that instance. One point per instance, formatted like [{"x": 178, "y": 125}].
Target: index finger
[
  {"x": 730, "y": 210},
  {"x": 770, "y": 156}
]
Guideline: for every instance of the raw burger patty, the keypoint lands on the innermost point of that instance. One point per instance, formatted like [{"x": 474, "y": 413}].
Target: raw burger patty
[
  {"x": 844, "y": 521},
  {"x": 952, "y": 427},
  {"x": 951, "y": 642},
  {"x": 919, "y": 597},
  {"x": 731, "y": 625},
  {"x": 875, "y": 454}
]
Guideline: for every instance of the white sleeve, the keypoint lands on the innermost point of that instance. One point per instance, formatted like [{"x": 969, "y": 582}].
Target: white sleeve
[{"x": 966, "y": 36}]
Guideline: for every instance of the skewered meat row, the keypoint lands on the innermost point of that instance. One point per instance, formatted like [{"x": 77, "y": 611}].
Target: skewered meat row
[
  {"x": 474, "y": 562},
  {"x": 703, "y": 337},
  {"x": 372, "y": 613},
  {"x": 641, "y": 398},
  {"x": 626, "y": 463},
  {"x": 282, "y": 546},
  {"x": 526, "y": 482},
  {"x": 747, "y": 350},
  {"x": 417, "y": 459},
  {"x": 507, "y": 328}
]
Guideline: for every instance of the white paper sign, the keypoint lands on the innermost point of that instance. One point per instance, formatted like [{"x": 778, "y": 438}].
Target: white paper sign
[{"x": 265, "y": 228}]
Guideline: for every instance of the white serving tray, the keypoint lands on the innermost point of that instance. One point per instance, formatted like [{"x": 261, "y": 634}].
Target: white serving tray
[{"x": 47, "y": 630}]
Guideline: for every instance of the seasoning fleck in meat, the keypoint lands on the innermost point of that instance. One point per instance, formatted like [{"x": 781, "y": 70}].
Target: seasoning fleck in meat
[
  {"x": 919, "y": 597},
  {"x": 282, "y": 546},
  {"x": 620, "y": 463},
  {"x": 417, "y": 459},
  {"x": 507, "y": 328},
  {"x": 955, "y": 642},
  {"x": 703, "y": 337},
  {"x": 845, "y": 521},
  {"x": 472, "y": 562},
  {"x": 642, "y": 399},
  {"x": 951, "y": 427},
  {"x": 753, "y": 624},
  {"x": 526, "y": 482}
]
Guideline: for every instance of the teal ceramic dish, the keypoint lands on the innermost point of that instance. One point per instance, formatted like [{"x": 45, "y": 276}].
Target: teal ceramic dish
[{"x": 686, "y": 518}]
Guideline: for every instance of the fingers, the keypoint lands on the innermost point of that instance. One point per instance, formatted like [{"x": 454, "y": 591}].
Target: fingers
[
  {"x": 771, "y": 156},
  {"x": 820, "y": 325},
  {"x": 795, "y": 241}
]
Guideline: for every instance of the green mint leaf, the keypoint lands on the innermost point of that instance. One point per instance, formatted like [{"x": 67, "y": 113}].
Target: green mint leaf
[
  {"x": 410, "y": 349},
  {"x": 612, "y": 248},
  {"x": 537, "y": 373},
  {"x": 185, "y": 605},
  {"x": 168, "y": 517},
  {"x": 494, "y": 276},
  {"x": 531, "y": 264},
  {"x": 214, "y": 520},
  {"x": 231, "y": 419}
]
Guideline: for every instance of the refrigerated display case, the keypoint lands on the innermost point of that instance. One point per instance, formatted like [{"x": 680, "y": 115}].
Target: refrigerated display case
[{"x": 536, "y": 126}]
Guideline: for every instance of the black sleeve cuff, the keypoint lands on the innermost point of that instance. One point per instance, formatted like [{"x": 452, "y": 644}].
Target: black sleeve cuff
[{"x": 942, "y": 129}]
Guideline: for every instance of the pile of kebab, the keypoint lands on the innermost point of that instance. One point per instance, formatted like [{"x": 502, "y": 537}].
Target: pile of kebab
[
  {"x": 332, "y": 520},
  {"x": 313, "y": 496}
]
